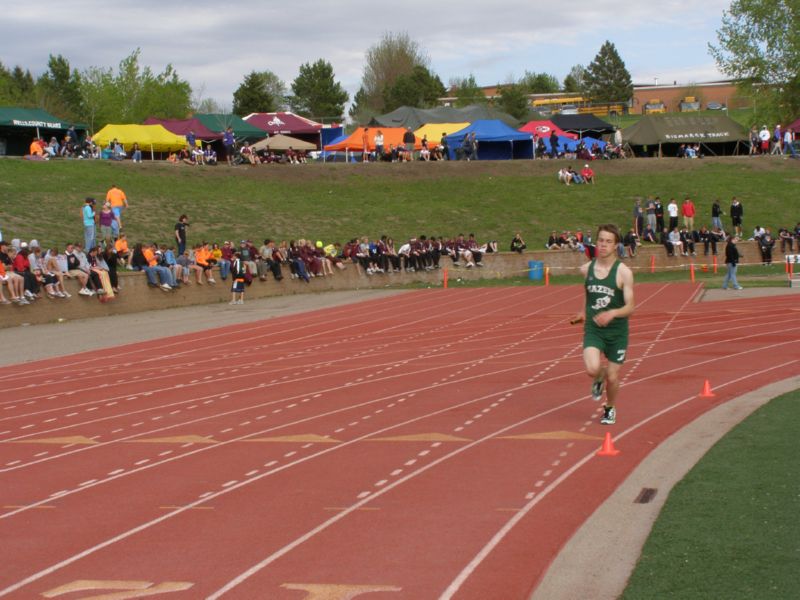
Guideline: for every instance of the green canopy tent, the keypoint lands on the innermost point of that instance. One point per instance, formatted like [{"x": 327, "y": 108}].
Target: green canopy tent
[
  {"x": 243, "y": 130},
  {"x": 717, "y": 134},
  {"x": 18, "y": 127},
  {"x": 408, "y": 116}
]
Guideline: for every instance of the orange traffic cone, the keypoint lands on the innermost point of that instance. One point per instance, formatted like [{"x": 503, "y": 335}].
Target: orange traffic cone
[
  {"x": 707, "y": 393},
  {"x": 608, "y": 447}
]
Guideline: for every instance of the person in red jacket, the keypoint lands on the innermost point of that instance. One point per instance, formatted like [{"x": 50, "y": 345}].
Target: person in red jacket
[{"x": 688, "y": 211}]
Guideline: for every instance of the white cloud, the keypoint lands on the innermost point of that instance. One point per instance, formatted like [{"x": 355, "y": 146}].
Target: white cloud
[{"x": 215, "y": 44}]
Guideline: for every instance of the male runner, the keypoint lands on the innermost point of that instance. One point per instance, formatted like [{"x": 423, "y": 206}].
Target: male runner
[{"x": 609, "y": 303}]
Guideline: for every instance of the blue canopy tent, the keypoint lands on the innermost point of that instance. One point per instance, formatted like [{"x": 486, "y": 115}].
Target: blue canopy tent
[
  {"x": 570, "y": 145},
  {"x": 333, "y": 155},
  {"x": 496, "y": 141}
]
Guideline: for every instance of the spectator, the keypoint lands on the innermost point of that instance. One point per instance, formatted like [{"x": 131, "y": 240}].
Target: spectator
[
  {"x": 737, "y": 215},
  {"x": 88, "y": 223},
  {"x": 672, "y": 211},
  {"x": 587, "y": 173},
  {"x": 649, "y": 235},
  {"x": 785, "y": 236},
  {"x": 22, "y": 267},
  {"x": 409, "y": 140},
  {"x": 731, "y": 262},
  {"x": 122, "y": 250},
  {"x": 675, "y": 241},
  {"x": 518, "y": 244},
  {"x": 687, "y": 242},
  {"x": 14, "y": 282},
  {"x": 180, "y": 233},
  {"x": 119, "y": 202},
  {"x": 229, "y": 142},
  {"x": 766, "y": 244},
  {"x": 203, "y": 260},
  {"x": 688, "y": 212},
  {"x": 564, "y": 176},
  {"x": 631, "y": 241},
  {"x": 136, "y": 153},
  {"x": 638, "y": 216},
  {"x": 238, "y": 272},
  {"x": 379, "y": 147},
  {"x": 107, "y": 220}
]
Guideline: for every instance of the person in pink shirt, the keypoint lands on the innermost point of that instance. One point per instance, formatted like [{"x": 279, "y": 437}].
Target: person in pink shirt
[
  {"x": 587, "y": 174},
  {"x": 688, "y": 211}
]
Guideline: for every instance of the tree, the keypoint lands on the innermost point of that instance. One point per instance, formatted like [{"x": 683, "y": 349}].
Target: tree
[
  {"x": 759, "y": 44},
  {"x": 606, "y": 78},
  {"x": 21, "y": 87},
  {"x": 59, "y": 88},
  {"x": 261, "y": 91},
  {"x": 420, "y": 89},
  {"x": 394, "y": 55},
  {"x": 514, "y": 100},
  {"x": 539, "y": 83},
  {"x": 574, "y": 82},
  {"x": 316, "y": 93},
  {"x": 468, "y": 92}
]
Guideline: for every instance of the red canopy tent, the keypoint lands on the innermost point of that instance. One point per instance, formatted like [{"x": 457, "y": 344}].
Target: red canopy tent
[
  {"x": 285, "y": 123},
  {"x": 545, "y": 128},
  {"x": 184, "y": 126}
]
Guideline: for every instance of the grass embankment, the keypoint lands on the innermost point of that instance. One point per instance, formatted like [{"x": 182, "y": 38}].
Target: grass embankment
[
  {"x": 337, "y": 202},
  {"x": 730, "y": 528}
]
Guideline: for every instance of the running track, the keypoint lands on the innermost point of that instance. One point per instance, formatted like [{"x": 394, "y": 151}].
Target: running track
[{"x": 435, "y": 444}]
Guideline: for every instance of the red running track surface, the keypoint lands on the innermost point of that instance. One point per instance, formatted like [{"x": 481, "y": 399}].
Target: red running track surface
[{"x": 436, "y": 444}]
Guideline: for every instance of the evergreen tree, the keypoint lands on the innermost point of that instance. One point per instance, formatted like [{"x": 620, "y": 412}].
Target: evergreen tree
[
  {"x": 607, "y": 79},
  {"x": 22, "y": 88},
  {"x": 316, "y": 93},
  {"x": 261, "y": 91}
]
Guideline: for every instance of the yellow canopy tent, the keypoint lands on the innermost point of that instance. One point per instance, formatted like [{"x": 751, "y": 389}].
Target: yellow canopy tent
[
  {"x": 150, "y": 137},
  {"x": 434, "y": 131}
]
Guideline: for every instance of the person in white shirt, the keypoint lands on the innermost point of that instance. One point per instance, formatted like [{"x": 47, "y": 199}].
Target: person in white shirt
[{"x": 672, "y": 210}]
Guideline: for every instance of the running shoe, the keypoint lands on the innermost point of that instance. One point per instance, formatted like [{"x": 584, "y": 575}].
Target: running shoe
[
  {"x": 609, "y": 415},
  {"x": 597, "y": 388}
]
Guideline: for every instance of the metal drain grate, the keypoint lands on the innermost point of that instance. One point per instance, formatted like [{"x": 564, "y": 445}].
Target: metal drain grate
[{"x": 645, "y": 496}]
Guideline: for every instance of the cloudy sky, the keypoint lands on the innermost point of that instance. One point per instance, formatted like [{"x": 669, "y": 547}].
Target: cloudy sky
[{"x": 215, "y": 44}]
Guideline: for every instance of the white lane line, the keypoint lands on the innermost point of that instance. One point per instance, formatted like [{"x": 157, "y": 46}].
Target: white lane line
[
  {"x": 165, "y": 453},
  {"x": 116, "y": 472},
  {"x": 228, "y": 484},
  {"x": 144, "y": 461},
  {"x": 90, "y": 482},
  {"x": 251, "y": 473}
]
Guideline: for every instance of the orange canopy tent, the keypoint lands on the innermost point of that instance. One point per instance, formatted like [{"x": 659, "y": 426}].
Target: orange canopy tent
[{"x": 392, "y": 136}]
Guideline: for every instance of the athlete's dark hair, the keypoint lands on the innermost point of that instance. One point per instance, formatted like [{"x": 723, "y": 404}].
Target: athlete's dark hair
[{"x": 612, "y": 229}]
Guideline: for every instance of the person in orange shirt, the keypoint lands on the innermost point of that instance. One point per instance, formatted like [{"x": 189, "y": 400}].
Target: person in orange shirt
[
  {"x": 119, "y": 202},
  {"x": 203, "y": 260},
  {"x": 37, "y": 149},
  {"x": 123, "y": 251},
  {"x": 163, "y": 273}
]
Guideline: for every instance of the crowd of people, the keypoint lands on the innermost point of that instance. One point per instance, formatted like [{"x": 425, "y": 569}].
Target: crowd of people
[{"x": 778, "y": 141}]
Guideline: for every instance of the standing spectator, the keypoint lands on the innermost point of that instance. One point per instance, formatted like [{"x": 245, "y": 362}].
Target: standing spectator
[
  {"x": 638, "y": 217},
  {"x": 518, "y": 244},
  {"x": 379, "y": 145},
  {"x": 553, "y": 144},
  {"x": 88, "y": 223},
  {"x": 473, "y": 142},
  {"x": 659, "y": 214},
  {"x": 688, "y": 212},
  {"x": 238, "y": 271},
  {"x": 229, "y": 142},
  {"x": 445, "y": 146},
  {"x": 672, "y": 210},
  {"x": 180, "y": 233},
  {"x": 365, "y": 145},
  {"x": 650, "y": 212},
  {"x": 409, "y": 139},
  {"x": 764, "y": 137},
  {"x": 777, "y": 140},
  {"x": 731, "y": 262},
  {"x": 737, "y": 214},
  {"x": 716, "y": 215},
  {"x": 191, "y": 140},
  {"x": 107, "y": 220},
  {"x": 225, "y": 260},
  {"x": 119, "y": 202}
]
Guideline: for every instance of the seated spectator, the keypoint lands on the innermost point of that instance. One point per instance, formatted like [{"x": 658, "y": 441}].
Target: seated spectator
[
  {"x": 587, "y": 174},
  {"x": 37, "y": 150},
  {"x": 123, "y": 252},
  {"x": 688, "y": 241},
  {"x": 665, "y": 241},
  {"x": 631, "y": 241},
  {"x": 758, "y": 233},
  {"x": 203, "y": 263},
  {"x": 553, "y": 242},
  {"x": 144, "y": 259},
  {"x": 11, "y": 280},
  {"x": 210, "y": 156},
  {"x": 247, "y": 154},
  {"x": 136, "y": 153},
  {"x": 564, "y": 176},
  {"x": 576, "y": 178},
  {"x": 648, "y": 235},
  {"x": 76, "y": 271},
  {"x": 517, "y": 243},
  {"x": 786, "y": 238},
  {"x": 675, "y": 240},
  {"x": 765, "y": 245},
  {"x": 197, "y": 156}
]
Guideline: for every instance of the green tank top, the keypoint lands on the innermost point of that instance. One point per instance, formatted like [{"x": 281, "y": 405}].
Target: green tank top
[{"x": 604, "y": 294}]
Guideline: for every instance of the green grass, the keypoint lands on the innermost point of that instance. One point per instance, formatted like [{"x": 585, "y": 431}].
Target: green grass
[
  {"x": 338, "y": 202},
  {"x": 730, "y": 529}
]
